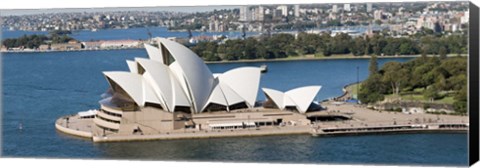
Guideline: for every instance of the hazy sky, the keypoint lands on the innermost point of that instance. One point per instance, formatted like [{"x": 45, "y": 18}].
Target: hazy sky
[{"x": 4, "y": 12}]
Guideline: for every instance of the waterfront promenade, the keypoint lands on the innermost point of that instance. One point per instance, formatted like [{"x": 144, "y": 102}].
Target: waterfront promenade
[{"x": 362, "y": 121}]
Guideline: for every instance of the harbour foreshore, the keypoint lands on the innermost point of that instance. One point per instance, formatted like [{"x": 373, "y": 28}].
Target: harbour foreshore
[{"x": 363, "y": 121}]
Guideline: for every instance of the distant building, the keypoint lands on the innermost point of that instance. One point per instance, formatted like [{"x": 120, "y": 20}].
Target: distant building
[
  {"x": 277, "y": 14},
  {"x": 296, "y": 9},
  {"x": 258, "y": 14},
  {"x": 92, "y": 45},
  {"x": 347, "y": 8},
  {"x": 334, "y": 9},
  {"x": 211, "y": 26},
  {"x": 120, "y": 44},
  {"x": 245, "y": 14},
  {"x": 66, "y": 46},
  {"x": 284, "y": 10},
  {"x": 44, "y": 47},
  {"x": 378, "y": 15},
  {"x": 465, "y": 17},
  {"x": 369, "y": 7}
]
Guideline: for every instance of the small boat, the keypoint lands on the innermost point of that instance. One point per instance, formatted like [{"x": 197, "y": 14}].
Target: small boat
[{"x": 263, "y": 68}]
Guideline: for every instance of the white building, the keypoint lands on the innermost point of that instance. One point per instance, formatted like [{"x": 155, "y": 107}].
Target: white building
[
  {"x": 174, "y": 89},
  {"x": 284, "y": 9},
  {"x": 347, "y": 7},
  {"x": 245, "y": 14},
  {"x": 369, "y": 7},
  {"x": 296, "y": 9},
  {"x": 334, "y": 8}
]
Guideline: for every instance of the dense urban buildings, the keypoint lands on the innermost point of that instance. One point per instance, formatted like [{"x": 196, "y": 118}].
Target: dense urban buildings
[{"x": 399, "y": 17}]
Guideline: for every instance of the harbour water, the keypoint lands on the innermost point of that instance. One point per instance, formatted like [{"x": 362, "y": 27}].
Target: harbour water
[
  {"x": 124, "y": 34},
  {"x": 40, "y": 87}
]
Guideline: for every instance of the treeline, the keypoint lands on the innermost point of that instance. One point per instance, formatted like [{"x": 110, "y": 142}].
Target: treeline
[
  {"x": 34, "y": 41},
  {"x": 434, "y": 76},
  {"x": 283, "y": 45}
]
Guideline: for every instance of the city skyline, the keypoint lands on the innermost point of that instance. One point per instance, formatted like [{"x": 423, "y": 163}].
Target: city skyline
[{"x": 185, "y": 9}]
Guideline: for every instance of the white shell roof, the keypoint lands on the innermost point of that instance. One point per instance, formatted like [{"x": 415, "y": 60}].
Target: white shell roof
[
  {"x": 154, "y": 53},
  {"x": 244, "y": 81},
  {"x": 131, "y": 83},
  {"x": 196, "y": 73},
  {"x": 301, "y": 97},
  {"x": 230, "y": 95},
  {"x": 132, "y": 66},
  {"x": 186, "y": 82}
]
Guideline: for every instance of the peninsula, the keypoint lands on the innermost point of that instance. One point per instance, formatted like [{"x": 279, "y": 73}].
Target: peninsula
[{"x": 173, "y": 95}]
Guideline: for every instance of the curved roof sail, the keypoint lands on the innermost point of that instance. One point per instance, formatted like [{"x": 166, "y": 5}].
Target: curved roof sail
[
  {"x": 199, "y": 79},
  {"x": 244, "y": 81},
  {"x": 154, "y": 53},
  {"x": 301, "y": 97},
  {"x": 174, "y": 76},
  {"x": 130, "y": 83}
]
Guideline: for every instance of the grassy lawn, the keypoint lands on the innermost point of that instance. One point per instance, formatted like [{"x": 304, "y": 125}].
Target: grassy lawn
[
  {"x": 421, "y": 98},
  {"x": 352, "y": 89},
  {"x": 415, "y": 95}
]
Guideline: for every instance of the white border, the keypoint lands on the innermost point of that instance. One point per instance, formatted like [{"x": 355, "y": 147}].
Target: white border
[{"x": 70, "y": 163}]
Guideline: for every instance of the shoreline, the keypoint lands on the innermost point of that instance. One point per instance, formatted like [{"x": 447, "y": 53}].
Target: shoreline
[
  {"x": 300, "y": 58},
  {"x": 293, "y": 58},
  {"x": 313, "y": 130}
]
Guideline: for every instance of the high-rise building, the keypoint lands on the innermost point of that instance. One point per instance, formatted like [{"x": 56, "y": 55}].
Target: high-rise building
[
  {"x": 277, "y": 13},
  {"x": 297, "y": 11},
  {"x": 258, "y": 14},
  {"x": 347, "y": 8},
  {"x": 284, "y": 9},
  {"x": 245, "y": 14},
  {"x": 334, "y": 9},
  {"x": 378, "y": 15},
  {"x": 369, "y": 7}
]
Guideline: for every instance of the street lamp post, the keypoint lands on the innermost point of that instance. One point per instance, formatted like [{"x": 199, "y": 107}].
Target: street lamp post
[{"x": 358, "y": 82}]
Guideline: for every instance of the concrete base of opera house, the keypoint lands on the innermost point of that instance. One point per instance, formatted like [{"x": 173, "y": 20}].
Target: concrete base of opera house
[
  {"x": 75, "y": 126},
  {"x": 361, "y": 121}
]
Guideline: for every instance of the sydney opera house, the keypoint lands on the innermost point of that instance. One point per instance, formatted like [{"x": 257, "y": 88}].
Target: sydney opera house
[{"x": 175, "y": 90}]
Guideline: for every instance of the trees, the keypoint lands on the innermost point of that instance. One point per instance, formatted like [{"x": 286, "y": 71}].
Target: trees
[
  {"x": 372, "y": 89},
  {"x": 341, "y": 44},
  {"x": 395, "y": 76},
  {"x": 442, "y": 52},
  {"x": 431, "y": 93},
  {"x": 250, "y": 48},
  {"x": 460, "y": 104},
  {"x": 431, "y": 77},
  {"x": 359, "y": 46},
  {"x": 282, "y": 45},
  {"x": 32, "y": 41},
  {"x": 373, "y": 67}
]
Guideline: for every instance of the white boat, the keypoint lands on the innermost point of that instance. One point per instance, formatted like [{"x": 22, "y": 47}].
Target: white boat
[{"x": 263, "y": 68}]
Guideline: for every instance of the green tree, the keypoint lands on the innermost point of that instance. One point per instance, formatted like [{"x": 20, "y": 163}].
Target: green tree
[
  {"x": 395, "y": 76},
  {"x": 460, "y": 104},
  {"x": 431, "y": 93},
  {"x": 372, "y": 89},
  {"x": 250, "y": 48},
  {"x": 373, "y": 67},
  {"x": 443, "y": 53},
  {"x": 359, "y": 46}
]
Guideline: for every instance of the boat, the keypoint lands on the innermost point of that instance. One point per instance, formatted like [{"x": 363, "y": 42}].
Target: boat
[{"x": 263, "y": 68}]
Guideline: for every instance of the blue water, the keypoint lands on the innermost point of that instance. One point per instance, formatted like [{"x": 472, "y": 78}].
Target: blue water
[
  {"x": 40, "y": 87},
  {"x": 122, "y": 34}
]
